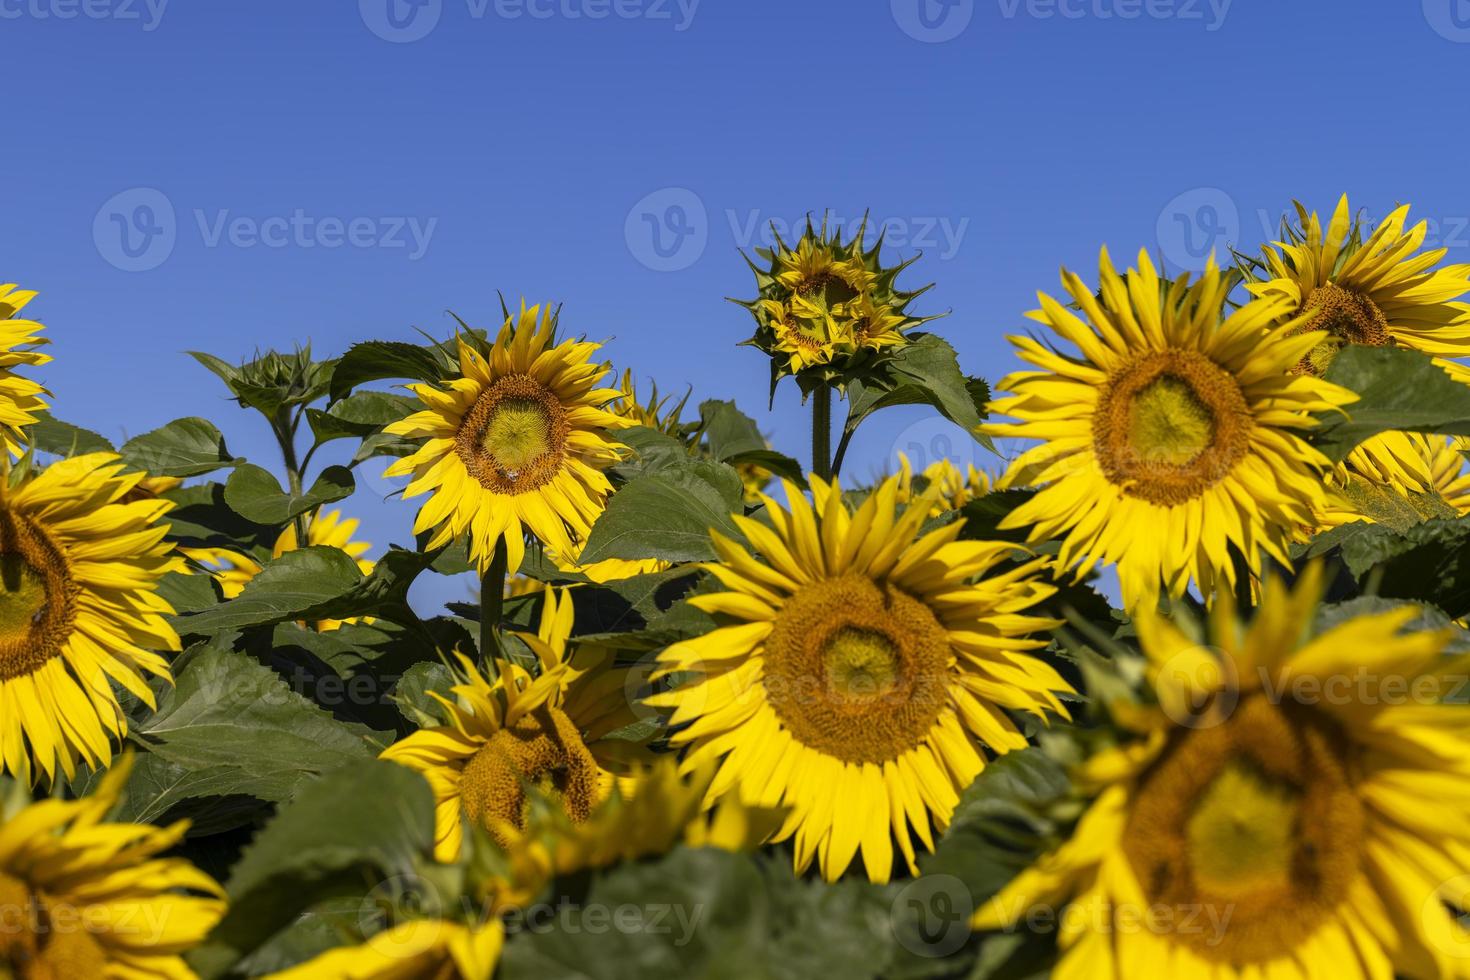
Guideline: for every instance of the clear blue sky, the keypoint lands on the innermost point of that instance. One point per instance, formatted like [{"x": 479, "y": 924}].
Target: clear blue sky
[{"x": 526, "y": 140}]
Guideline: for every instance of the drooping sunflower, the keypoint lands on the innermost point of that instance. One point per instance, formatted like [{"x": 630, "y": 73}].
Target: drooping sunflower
[
  {"x": 518, "y": 442},
  {"x": 1306, "y": 818},
  {"x": 549, "y": 731},
  {"x": 83, "y": 898},
  {"x": 861, "y": 673},
  {"x": 79, "y": 609},
  {"x": 419, "y": 949},
  {"x": 1174, "y": 439},
  {"x": 956, "y": 488},
  {"x": 20, "y": 398},
  {"x": 1427, "y": 480},
  {"x": 328, "y": 529}
]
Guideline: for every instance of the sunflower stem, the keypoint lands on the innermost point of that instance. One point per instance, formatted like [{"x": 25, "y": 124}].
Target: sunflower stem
[
  {"x": 822, "y": 432},
  {"x": 285, "y": 432},
  {"x": 492, "y": 606}
]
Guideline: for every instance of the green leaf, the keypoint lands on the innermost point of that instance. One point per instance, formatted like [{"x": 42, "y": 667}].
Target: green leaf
[
  {"x": 256, "y": 495},
  {"x": 378, "y": 360},
  {"x": 233, "y": 727},
  {"x": 778, "y": 464},
  {"x": 368, "y": 821},
  {"x": 926, "y": 372},
  {"x": 1397, "y": 389},
  {"x": 411, "y": 694},
  {"x": 295, "y": 586},
  {"x": 1428, "y": 562},
  {"x": 729, "y": 431},
  {"x": 359, "y": 415},
  {"x": 51, "y": 435},
  {"x": 202, "y": 519},
  {"x": 184, "y": 447},
  {"x": 668, "y": 514}
]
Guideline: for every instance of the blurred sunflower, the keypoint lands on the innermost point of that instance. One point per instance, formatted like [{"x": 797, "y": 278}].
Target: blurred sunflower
[
  {"x": 20, "y": 398},
  {"x": 861, "y": 671},
  {"x": 955, "y": 488},
  {"x": 1305, "y": 833},
  {"x": 517, "y": 442},
  {"x": 79, "y": 607},
  {"x": 549, "y": 732},
  {"x": 83, "y": 898},
  {"x": 1173, "y": 440},
  {"x": 419, "y": 949}
]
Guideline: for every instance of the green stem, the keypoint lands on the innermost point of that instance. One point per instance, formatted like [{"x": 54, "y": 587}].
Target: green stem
[
  {"x": 842, "y": 445},
  {"x": 284, "y": 429},
  {"x": 492, "y": 605},
  {"x": 822, "y": 432}
]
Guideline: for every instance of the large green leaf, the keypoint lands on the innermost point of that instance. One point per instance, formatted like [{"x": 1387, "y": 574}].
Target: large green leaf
[
  {"x": 233, "y": 727},
  {"x": 202, "y": 519},
  {"x": 256, "y": 495},
  {"x": 183, "y": 447},
  {"x": 365, "y": 822},
  {"x": 1397, "y": 389},
  {"x": 925, "y": 372},
  {"x": 729, "y": 431},
  {"x": 668, "y": 514},
  {"x": 51, "y": 435},
  {"x": 378, "y": 360},
  {"x": 359, "y": 415},
  {"x": 1428, "y": 561},
  {"x": 295, "y": 586}
]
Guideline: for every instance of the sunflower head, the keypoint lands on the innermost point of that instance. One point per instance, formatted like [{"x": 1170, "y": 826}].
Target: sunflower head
[
  {"x": 956, "y": 488},
  {"x": 1172, "y": 438},
  {"x": 858, "y": 659},
  {"x": 20, "y": 398},
  {"x": 517, "y": 443},
  {"x": 828, "y": 307},
  {"x": 1298, "y": 792},
  {"x": 661, "y": 414}
]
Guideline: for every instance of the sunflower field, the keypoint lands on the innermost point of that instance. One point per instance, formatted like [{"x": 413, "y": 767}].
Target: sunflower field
[{"x": 1177, "y": 688}]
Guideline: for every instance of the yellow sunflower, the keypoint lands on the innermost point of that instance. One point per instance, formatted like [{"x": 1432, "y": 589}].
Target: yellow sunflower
[
  {"x": 521, "y": 438},
  {"x": 327, "y": 529},
  {"x": 420, "y": 949},
  {"x": 806, "y": 333},
  {"x": 1309, "y": 819},
  {"x": 655, "y": 413},
  {"x": 83, "y": 898},
  {"x": 955, "y": 488},
  {"x": 20, "y": 398},
  {"x": 1426, "y": 480},
  {"x": 814, "y": 267},
  {"x": 861, "y": 671},
  {"x": 549, "y": 732},
  {"x": 1174, "y": 439},
  {"x": 79, "y": 607}
]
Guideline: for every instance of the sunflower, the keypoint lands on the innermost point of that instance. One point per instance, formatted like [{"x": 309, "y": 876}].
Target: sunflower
[
  {"x": 79, "y": 570},
  {"x": 520, "y": 438},
  {"x": 420, "y": 949},
  {"x": 549, "y": 732},
  {"x": 1426, "y": 480},
  {"x": 234, "y": 570},
  {"x": 1174, "y": 440},
  {"x": 655, "y": 413},
  {"x": 861, "y": 671},
  {"x": 83, "y": 898},
  {"x": 20, "y": 398},
  {"x": 1308, "y": 820},
  {"x": 955, "y": 488},
  {"x": 805, "y": 332}
]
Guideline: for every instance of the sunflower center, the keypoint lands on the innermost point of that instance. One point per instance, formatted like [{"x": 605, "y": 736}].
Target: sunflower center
[
  {"x": 857, "y": 671},
  {"x": 543, "y": 750},
  {"x": 1170, "y": 425},
  {"x": 513, "y": 439},
  {"x": 1255, "y": 823},
  {"x": 34, "y": 945},
  {"x": 37, "y": 597},
  {"x": 1349, "y": 317}
]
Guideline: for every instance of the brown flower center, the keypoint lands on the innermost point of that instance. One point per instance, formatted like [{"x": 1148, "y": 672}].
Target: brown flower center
[
  {"x": 514, "y": 438},
  {"x": 1253, "y": 826},
  {"x": 544, "y": 750},
  {"x": 1170, "y": 425},
  {"x": 1349, "y": 317},
  {"x": 37, "y": 597},
  {"x": 43, "y": 941},
  {"x": 855, "y": 671}
]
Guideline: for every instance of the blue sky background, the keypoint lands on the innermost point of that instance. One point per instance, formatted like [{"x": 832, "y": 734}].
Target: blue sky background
[{"x": 537, "y": 147}]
